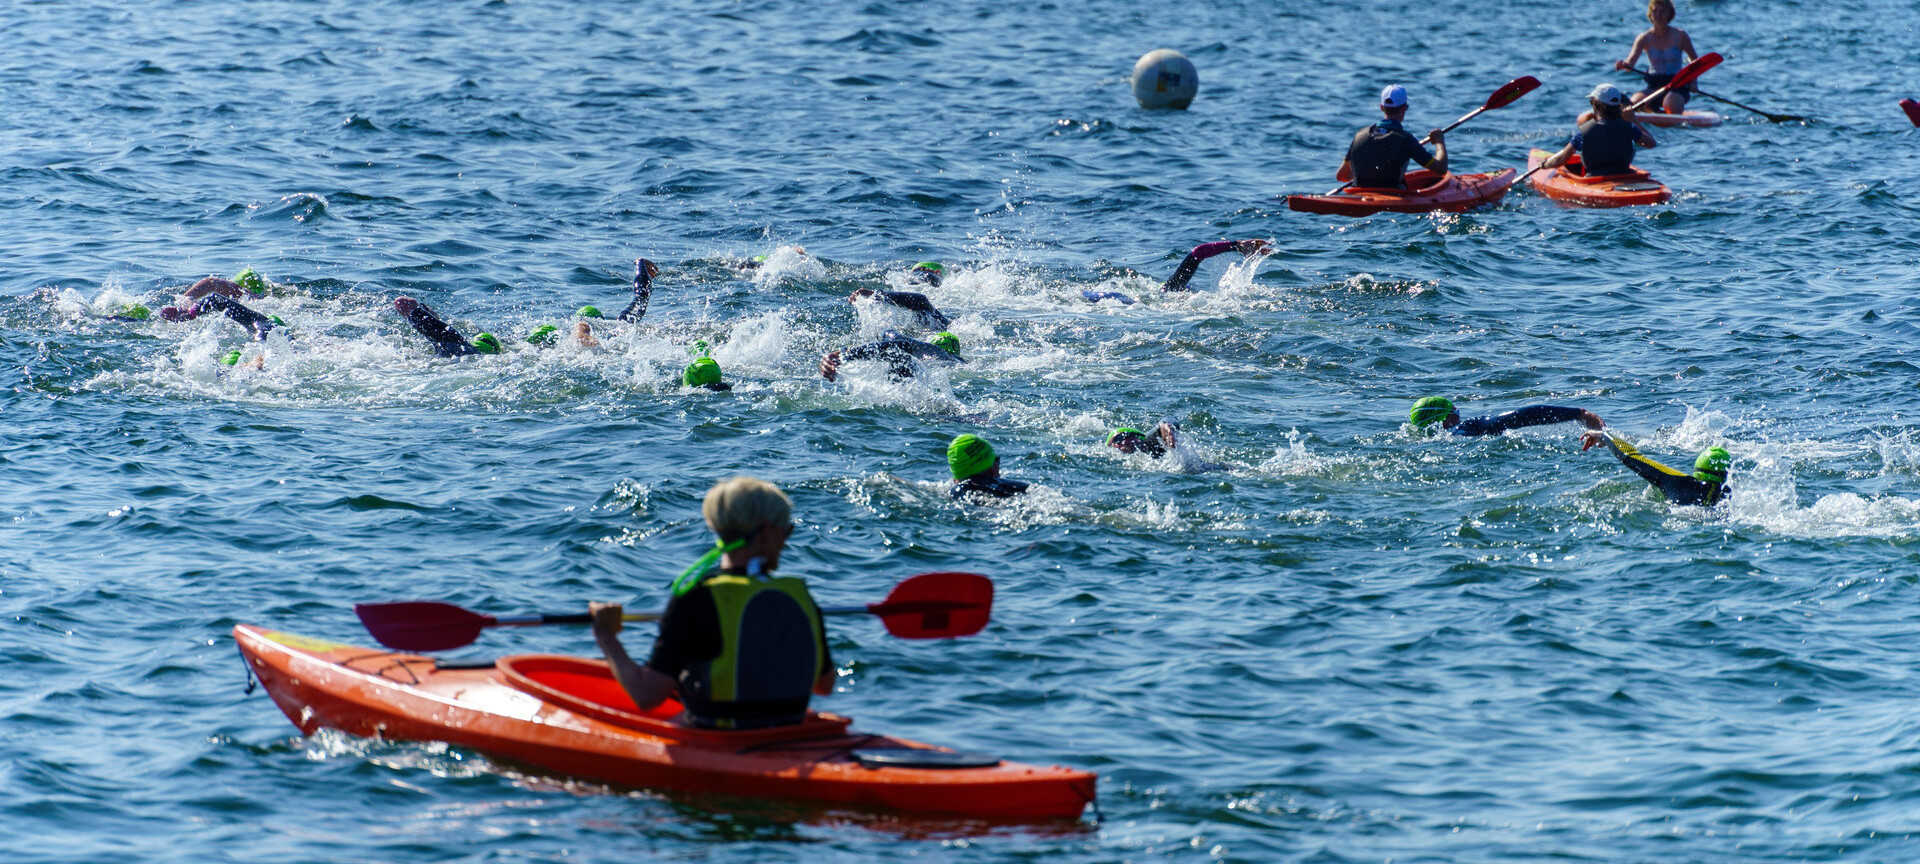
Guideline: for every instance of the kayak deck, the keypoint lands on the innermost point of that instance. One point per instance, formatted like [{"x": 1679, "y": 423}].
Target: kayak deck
[
  {"x": 1425, "y": 193},
  {"x": 1568, "y": 185},
  {"x": 562, "y": 714}
]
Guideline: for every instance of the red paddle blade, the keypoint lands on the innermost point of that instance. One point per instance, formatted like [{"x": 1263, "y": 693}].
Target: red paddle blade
[
  {"x": 1694, "y": 70},
  {"x": 937, "y": 606},
  {"x": 421, "y": 626},
  {"x": 1511, "y": 91},
  {"x": 1913, "y": 110}
]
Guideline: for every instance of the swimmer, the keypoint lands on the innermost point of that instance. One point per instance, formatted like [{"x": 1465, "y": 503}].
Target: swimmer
[
  {"x": 925, "y": 272},
  {"x": 903, "y": 356},
  {"x": 644, "y": 272},
  {"x": 1378, "y": 156},
  {"x": 257, "y": 324},
  {"x": 1438, "y": 409},
  {"x": 1663, "y": 44},
  {"x": 759, "y": 261},
  {"x": 976, "y": 471},
  {"x": 704, "y": 371},
  {"x": 447, "y": 342},
  {"x": 1606, "y": 141},
  {"x": 1163, "y": 442},
  {"x": 1706, "y": 486},
  {"x": 1188, "y": 266}
]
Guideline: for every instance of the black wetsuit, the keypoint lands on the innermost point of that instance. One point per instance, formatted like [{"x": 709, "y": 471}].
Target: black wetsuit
[
  {"x": 1606, "y": 146},
  {"x": 1379, "y": 155},
  {"x": 996, "y": 488},
  {"x": 642, "y": 292},
  {"x": 447, "y": 342},
  {"x": 917, "y": 304},
  {"x": 1532, "y": 415},
  {"x": 902, "y": 355},
  {"x": 1679, "y": 488},
  {"x": 237, "y": 312}
]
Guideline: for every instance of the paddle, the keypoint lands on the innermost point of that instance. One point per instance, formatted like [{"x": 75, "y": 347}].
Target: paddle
[
  {"x": 927, "y": 606},
  {"x": 1913, "y": 110},
  {"x": 1771, "y": 118},
  {"x": 1682, "y": 78},
  {"x": 1500, "y": 98}
]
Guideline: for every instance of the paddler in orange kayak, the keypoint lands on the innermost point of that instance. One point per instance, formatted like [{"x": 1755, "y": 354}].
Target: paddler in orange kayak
[
  {"x": 1663, "y": 44},
  {"x": 1377, "y": 158},
  {"x": 738, "y": 646},
  {"x": 1605, "y": 142}
]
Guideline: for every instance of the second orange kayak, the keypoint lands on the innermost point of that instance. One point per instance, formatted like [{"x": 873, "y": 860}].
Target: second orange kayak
[
  {"x": 569, "y": 716},
  {"x": 1452, "y": 193},
  {"x": 1631, "y": 189}
]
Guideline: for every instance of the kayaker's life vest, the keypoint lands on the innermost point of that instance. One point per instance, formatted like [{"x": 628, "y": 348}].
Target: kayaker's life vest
[
  {"x": 770, "y": 654},
  {"x": 1379, "y": 155},
  {"x": 1606, "y": 146}
]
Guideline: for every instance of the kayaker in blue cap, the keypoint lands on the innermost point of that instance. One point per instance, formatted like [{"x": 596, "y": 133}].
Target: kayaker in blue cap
[
  {"x": 1607, "y": 140},
  {"x": 1378, "y": 156},
  {"x": 1439, "y": 409},
  {"x": 739, "y": 647},
  {"x": 1705, "y": 487}
]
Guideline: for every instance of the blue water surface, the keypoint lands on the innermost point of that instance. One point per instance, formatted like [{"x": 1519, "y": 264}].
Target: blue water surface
[{"x": 1356, "y": 644}]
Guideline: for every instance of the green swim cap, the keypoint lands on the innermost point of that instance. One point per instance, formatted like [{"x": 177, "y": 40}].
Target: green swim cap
[
  {"x": 701, "y": 372},
  {"x": 1712, "y": 465},
  {"x": 969, "y": 455},
  {"x": 486, "y": 343},
  {"x": 277, "y": 321},
  {"x": 136, "y": 311},
  {"x": 588, "y": 312},
  {"x": 1122, "y": 431},
  {"x": 251, "y": 280},
  {"x": 700, "y": 348},
  {"x": 759, "y": 259},
  {"x": 930, "y": 266},
  {"x": 543, "y": 335},
  {"x": 232, "y": 358},
  {"x": 1429, "y": 411},
  {"x": 947, "y": 342}
]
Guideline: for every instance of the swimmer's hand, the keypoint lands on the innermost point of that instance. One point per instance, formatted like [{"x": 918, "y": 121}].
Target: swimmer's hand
[
  {"x": 830, "y": 365},
  {"x": 1590, "y": 440},
  {"x": 1250, "y": 247}
]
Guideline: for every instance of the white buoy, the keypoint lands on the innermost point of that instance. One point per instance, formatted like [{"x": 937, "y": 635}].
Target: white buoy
[{"x": 1165, "y": 79}]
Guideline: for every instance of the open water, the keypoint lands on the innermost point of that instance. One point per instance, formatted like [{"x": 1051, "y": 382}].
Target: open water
[{"x": 1357, "y": 644}]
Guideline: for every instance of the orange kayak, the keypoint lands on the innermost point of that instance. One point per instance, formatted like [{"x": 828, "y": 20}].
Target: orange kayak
[
  {"x": 1425, "y": 193},
  {"x": 1633, "y": 188},
  {"x": 568, "y": 715}
]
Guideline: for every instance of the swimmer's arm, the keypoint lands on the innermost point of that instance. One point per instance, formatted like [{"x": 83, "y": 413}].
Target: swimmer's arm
[
  {"x": 214, "y": 285},
  {"x": 642, "y": 292},
  {"x": 1191, "y": 264},
  {"x": 239, "y": 314},
  {"x": 447, "y": 342},
  {"x": 1653, "y": 472},
  {"x": 1542, "y": 415}
]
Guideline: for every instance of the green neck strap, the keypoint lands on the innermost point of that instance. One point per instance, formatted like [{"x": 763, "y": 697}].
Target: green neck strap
[{"x": 697, "y": 572}]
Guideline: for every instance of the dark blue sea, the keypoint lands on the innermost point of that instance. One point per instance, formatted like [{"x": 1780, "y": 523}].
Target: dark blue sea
[{"x": 1355, "y": 644}]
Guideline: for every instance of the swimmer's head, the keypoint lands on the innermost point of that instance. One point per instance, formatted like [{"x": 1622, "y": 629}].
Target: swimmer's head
[
  {"x": 136, "y": 311},
  {"x": 277, "y": 320},
  {"x": 930, "y": 272},
  {"x": 588, "y": 312},
  {"x": 486, "y": 343},
  {"x": 700, "y": 348},
  {"x": 947, "y": 342},
  {"x": 251, "y": 280},
  {"x": 1431, "y": 410},
  {"x": 1712, "y": 465},
  {"x": 231, "y": 359},
  {"x": 545, "y": 334},
  {"x": 703, "y": 372},
  {"x": 970, "y": 455},
  {"x": 1127, "y": 439}
]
